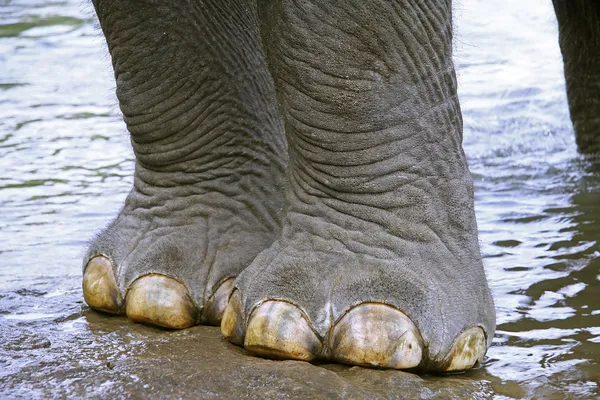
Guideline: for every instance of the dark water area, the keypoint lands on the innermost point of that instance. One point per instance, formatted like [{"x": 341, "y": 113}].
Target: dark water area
[{"x": 66, "y": 167}]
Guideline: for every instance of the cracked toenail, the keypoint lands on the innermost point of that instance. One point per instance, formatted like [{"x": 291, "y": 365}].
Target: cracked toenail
[
  {"x": 377, "y": 335},
  {"x": 100, "y": 287},
  {"x": 468, "y": 350},
  {"x": 279, "y": 329},
  {"x": 232, "y": 326},
  {"x": 217, "y": 303},
  {"x": 160, "y": 300}
]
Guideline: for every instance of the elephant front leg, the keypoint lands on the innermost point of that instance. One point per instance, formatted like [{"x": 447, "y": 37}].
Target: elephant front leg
[
  {"x": 579, "y": 38},
  {"x": 378, "y": 263},
  {"x": 198, "y": 101}
]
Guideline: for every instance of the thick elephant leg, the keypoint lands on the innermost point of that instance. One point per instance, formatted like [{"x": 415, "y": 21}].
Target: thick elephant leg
[
  {"x": 579, "y": 38},
  {"x": 198, "y": 101},
  {"x": 378, "y": 263}
]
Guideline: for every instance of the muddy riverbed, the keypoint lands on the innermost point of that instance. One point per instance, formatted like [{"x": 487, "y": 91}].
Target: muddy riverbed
[{"x": 66, "y": 165}]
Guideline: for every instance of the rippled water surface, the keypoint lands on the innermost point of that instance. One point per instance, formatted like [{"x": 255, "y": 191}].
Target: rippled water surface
[{"x": 66, "y": 165}]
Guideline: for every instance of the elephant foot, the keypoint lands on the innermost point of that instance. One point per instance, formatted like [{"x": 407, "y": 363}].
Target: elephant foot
[
  {"x": 170, "y": 258},
  {"x": 153, "y": 299},
  {"x": 308, "y": 297}
]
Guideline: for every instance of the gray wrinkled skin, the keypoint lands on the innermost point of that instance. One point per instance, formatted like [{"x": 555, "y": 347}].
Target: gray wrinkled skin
[
  {"x": 377, "y": 201},
  {"x": 579, "y": 31},
  {"x": 210, "y": 156}
]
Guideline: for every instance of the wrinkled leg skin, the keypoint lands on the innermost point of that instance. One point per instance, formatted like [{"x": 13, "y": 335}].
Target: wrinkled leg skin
[
  {"x": 365, "y": 250},
  {"x": 378, "y": 262},
  {"x": 579, "y": 39},
  {"x": 198, "y": 102}
]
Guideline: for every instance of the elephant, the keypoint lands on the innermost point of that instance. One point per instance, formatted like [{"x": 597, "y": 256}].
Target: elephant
[{"x": 300, "y": 178}]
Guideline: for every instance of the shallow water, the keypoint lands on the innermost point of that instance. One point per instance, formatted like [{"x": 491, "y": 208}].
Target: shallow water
[{"x": 66, "y": 167}]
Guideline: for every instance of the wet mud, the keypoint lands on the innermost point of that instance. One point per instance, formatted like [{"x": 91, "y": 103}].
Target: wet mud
[{"x": 54, "y": 346}]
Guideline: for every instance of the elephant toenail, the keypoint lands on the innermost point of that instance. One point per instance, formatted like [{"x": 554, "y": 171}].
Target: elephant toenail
[
  {"x": 280, "y": 330},
  {"x": 377, "y": 335},
  {"x": 467, "y": 352},
  {"x": 100, "y": 287},
  {"x": 232, "y": 324},
  {"x": 217, "y": 303},
  {"x": 160, "y": 300}
]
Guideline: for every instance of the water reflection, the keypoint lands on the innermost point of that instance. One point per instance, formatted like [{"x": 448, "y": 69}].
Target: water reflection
[{"x": 550, "y": 324}]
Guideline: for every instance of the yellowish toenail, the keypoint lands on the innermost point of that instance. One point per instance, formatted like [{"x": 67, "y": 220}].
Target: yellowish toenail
[
  {"x": 468, "y": 350},
  {"x": 232, "y": 326},
  {"x": 160, "y": 300},
  {"x": 377, "y": 335},
  {"x": 100, "y": 287},
  {"x": 279, "y": 330},
  {"x": 217, "y": 303}
]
